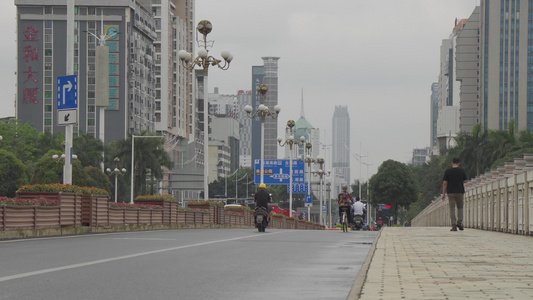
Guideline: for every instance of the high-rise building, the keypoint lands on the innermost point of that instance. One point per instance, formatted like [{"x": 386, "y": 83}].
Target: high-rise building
[
  {"x": 271, "y": 99},
  {"x": 266, "y": 74},
  {"x": 130, "y": 32},
  {"x": 302, "y": 127},
  {"x": 506, "y": 72},
  {"x": 467, "y": 72},
  {"x": 341, "y": 147},
  {"x": 174, "y": 22},
  {"x": 448, "y": 90}
]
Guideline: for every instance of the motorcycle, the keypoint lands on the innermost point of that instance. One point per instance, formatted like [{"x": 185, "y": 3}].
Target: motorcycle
[
  {"x": 358, "y": 222},
  {"x": 379, "y": 225},
  {"x": 261, "y": 218}
]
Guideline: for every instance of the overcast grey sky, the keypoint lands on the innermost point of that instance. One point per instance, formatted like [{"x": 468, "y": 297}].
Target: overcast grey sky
[{"x": 378, "y": 57}]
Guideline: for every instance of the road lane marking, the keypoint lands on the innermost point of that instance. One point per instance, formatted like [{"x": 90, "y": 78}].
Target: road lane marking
[
  {"x": 141, "y": 239},
  {"x": 101, "y": 261}
]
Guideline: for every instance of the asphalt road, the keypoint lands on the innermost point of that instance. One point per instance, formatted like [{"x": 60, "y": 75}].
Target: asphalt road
[{"x": 185, "y": 264}]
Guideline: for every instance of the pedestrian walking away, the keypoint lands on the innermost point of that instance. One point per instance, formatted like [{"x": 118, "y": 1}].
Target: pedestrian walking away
[{"x": 453, "y": 184}]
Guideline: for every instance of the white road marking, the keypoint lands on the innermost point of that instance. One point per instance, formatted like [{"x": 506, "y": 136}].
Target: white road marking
[{"x": 100, "y": 261}]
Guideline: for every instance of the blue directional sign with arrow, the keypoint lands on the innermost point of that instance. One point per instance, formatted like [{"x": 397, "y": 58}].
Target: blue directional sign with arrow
[
  {"x": 67, "y": 92},
  {"x": 277, "y": 171}
]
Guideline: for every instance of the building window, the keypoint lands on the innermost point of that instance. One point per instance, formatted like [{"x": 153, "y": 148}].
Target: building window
[
  {"x": 48, "y": 80},
  {"x": 75, "y": 67},
  {"x": 48, "y": 122},
  {"x": 48, "y": 108},
  {"x": 48, "y": 94},
  {"x": 47, "y": 52},
  {"x": 48, "y": 66},
  {"x": 90, "y": 122},
  {"x": 48, "y": 24}
]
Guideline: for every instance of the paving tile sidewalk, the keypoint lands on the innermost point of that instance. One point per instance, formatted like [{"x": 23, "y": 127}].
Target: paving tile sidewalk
[{"x": 434, "y": 263}]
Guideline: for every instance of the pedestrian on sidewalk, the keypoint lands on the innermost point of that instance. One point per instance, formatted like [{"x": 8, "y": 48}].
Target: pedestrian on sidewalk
[{"x": 453, "y": 184}]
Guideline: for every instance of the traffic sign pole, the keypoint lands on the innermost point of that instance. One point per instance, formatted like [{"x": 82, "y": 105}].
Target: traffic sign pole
[{"x": 69, "y": 129}]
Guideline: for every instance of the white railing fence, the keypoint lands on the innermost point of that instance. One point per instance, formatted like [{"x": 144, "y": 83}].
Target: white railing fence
[{"x": 499, "y": 200}]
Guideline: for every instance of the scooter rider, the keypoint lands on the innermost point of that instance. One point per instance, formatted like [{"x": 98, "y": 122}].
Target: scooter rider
[
  {"x": 358, "y": 207},
  {"x": 345, "y": 200},
  {"x": 262, "y": 198}
]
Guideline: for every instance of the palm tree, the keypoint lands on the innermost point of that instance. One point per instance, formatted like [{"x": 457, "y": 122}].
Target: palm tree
[
  {"x": 150, "y": 158},
  {"x": 474, "y": 150},
  {"x": 89, "y": 150}
]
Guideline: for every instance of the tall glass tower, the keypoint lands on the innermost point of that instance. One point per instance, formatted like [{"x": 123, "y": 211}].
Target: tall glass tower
[{"x": 341, "y": 147}]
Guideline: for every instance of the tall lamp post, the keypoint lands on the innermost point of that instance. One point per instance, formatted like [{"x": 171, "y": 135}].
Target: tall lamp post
[
  {"x": 263, "y": 112},
  {"x": 204, "y": 60},
  {"x": 290, "y": 141},
  {"x": 133, "y": 159},
  {"x": 321, "y": 174},
  {"x": 308, "y": 159},
  {"x": 116, "y": 171}
]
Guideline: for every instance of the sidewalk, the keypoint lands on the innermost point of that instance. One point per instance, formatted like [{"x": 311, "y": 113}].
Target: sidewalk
[{"x": 435, "y": 263}]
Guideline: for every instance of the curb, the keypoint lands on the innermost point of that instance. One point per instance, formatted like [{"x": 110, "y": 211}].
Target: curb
[{"x": 357, "y": 287}]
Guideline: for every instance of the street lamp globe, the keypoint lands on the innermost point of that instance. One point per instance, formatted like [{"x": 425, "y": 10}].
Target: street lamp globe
[
  {"x": 202, "y": 53},
  {"x": 248, "y": 109},
  {"x": 225, "y": 54},
  {"x": 184, "y": 55}
]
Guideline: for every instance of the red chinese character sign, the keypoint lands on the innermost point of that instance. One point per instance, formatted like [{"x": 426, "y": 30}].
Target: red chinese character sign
[{"x": 30, "y": 72}]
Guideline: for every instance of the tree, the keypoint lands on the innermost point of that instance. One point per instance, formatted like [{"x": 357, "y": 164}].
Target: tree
[
  {"x": 20, "y": 139},
  {"x": 12, "y": 174},
  {"x": 150, "y": 158},
  {"x": 89, "y": 150},
  {"x": 393, "y": 184},
  {"x": 95, "y": 178},
  {"x": 49, "y": 170}
]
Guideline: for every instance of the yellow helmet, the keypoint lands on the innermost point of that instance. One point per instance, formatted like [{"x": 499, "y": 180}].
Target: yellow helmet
[{"x": 262, "y": 186}]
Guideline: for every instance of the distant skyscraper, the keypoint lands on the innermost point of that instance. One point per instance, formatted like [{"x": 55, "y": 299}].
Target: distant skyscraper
[
  {"x": 434, "y": 111},
  {"x": 341, "y": 144},
  {"x": 245, "y": 154}
]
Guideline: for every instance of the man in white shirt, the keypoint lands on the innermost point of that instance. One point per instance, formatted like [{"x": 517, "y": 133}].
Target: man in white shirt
[{"x": 358, "y": 207}]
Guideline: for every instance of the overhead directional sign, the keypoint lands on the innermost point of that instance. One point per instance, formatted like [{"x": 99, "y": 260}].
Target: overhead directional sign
[
  {"x": 67, "y": 92},
  {"x": 277, "y": 171}
]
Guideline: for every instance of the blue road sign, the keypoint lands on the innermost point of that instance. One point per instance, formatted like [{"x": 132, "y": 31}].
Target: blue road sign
[
  {"x": 308, "y": 199},
  {"x": 277, "y": 171},
  {"x": 67, "y": 92},
  {"x": 298, "y": 188}
]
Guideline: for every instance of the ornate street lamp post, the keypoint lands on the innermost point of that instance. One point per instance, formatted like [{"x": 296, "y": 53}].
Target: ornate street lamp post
[
  {"x": 115, "y": 172},
  {"x": 308, "y": 159},
  {"x": 321, "y": 174},
  {"x": 204, "y": 60},
  {"x": 263, "y": 112},
  {"x": 290, "y": 141}
]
